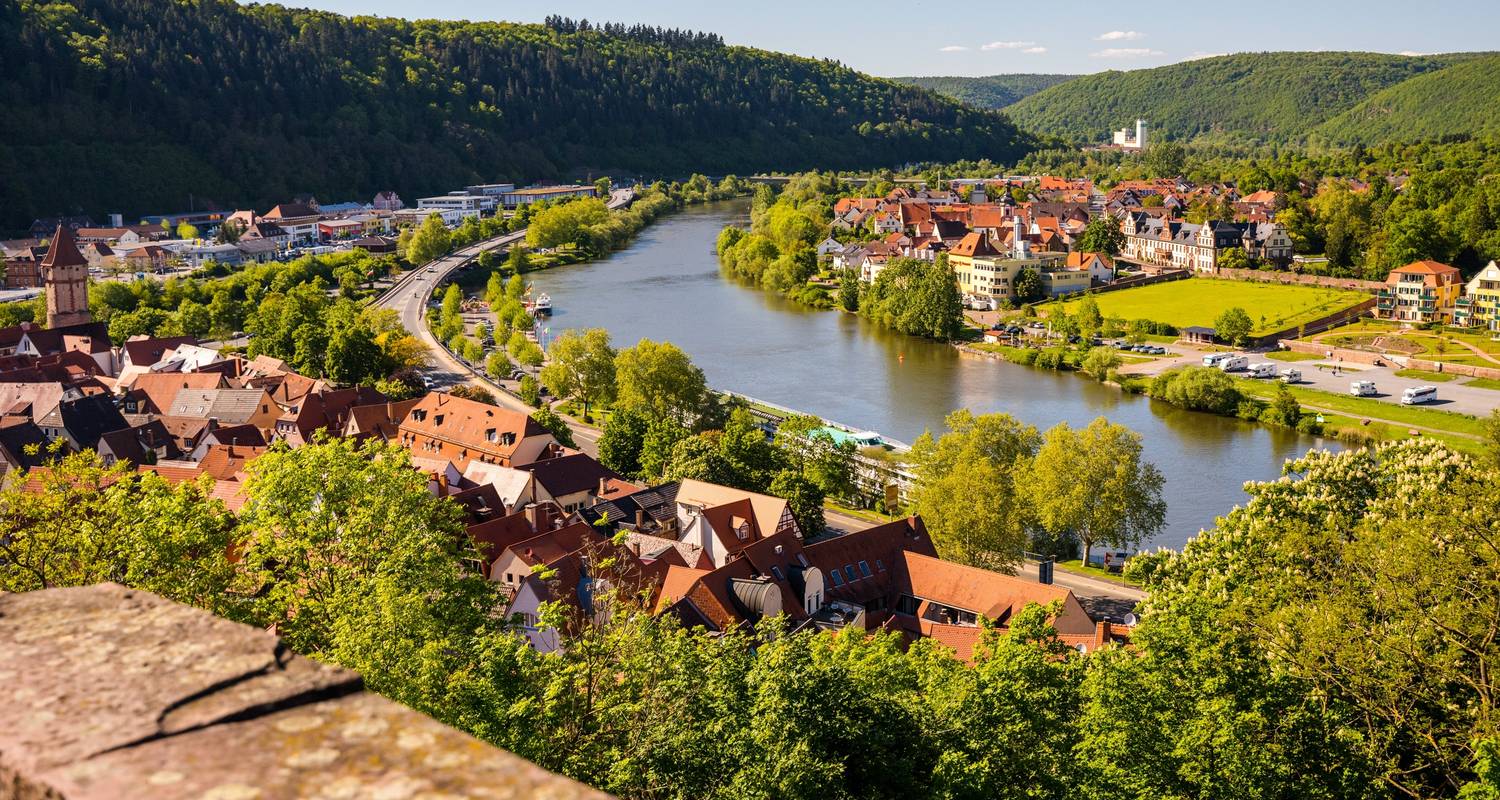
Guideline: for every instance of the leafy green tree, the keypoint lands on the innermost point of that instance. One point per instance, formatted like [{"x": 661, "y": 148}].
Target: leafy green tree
[
  {"x": 530, "y": 391},
  {"x": 812, "y": 451},
  {"x": 1090, "y": 320},
  {"x": 1092, "y": 484},
  {"x": 497, "y": 366},
  {"x": 581, "y": 365},
  {"x": 848, "y": 289},
  {"x": 1234, "y": 326},
  {"x": 661, "y": 380},
  {"x": 186, "y": 231},
  {"x": 555, "y": 425},
  {"x": 86, "y": 523},
  {"x": 1028, "y": 286},
  {"x": 430, "y": 241},
  {"x": 1099, "y": 362},
  {"x": 148, "y": 321},
  {"x": 804, "y": 498},
  {"x": 621, "y": 441},
  {"x": 562, "y": 224},
  {"x": 658, "y": 445},
  {"x": 965, "y": 489},
  {"x": 1102, "y": 235},
  {"x": 453, "y": 301}
]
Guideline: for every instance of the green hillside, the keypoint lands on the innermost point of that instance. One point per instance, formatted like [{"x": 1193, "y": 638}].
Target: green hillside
[
  {"x": 1460, "y": 100},
  {"x": 990, "y": 91},
  {"x": 148, "y": 105},
  {"x": 1256, "y": 97}
]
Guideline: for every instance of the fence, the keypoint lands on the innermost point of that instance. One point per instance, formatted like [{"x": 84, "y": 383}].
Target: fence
[{"x": 1329, "y": 322}]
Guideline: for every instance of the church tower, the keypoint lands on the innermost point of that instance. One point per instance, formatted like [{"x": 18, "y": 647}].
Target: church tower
[{"x": 66, "y": 274}]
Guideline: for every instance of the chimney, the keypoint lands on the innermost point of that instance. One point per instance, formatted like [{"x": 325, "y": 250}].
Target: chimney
[
  {"x": 640, "y": 519},
  {"x": 603, "y": 487},
  {"x": 531, "y": 515}
]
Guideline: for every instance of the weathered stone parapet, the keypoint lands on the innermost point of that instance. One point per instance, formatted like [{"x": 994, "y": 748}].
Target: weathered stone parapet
[{"x": 106, "y": 692}]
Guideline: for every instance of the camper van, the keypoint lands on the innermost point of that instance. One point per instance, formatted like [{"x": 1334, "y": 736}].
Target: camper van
[
  {"x": 1290, "y": 375},
  {"x": 1418, "y": 395},
  {"x": 1234, "y": 363},
  {"x": 1213, "y": 359},
  {"x": 1264, "y": 369},
  {"x": 1362, "y": 389}
]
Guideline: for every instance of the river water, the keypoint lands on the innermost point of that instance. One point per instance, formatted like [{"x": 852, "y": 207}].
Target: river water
[{"x": 667, "y": 286}]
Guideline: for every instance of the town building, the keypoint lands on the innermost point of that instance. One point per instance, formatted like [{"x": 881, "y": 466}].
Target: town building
[
  {"x": 1128, "y": 139},
  {"x": 1161, "y": 242},
  {"x": 1422, "y": 291},
  {"x": 467, "y": 205},
  {"x": 66, "y": 274},
  {"x": 527, "y": 196},
  {"x": 1480, "y": 304},
  {"x": 459, "y": 431}
]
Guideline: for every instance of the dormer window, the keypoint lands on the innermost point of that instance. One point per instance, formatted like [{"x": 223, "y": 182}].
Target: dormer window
[{"x": 490, "y": 435}]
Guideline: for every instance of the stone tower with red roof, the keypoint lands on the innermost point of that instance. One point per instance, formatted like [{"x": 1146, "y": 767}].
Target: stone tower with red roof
[{"x": 66, "y": 274}]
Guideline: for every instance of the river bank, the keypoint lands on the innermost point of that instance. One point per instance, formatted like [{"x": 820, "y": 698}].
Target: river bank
[{"x": 667, "y": 285}]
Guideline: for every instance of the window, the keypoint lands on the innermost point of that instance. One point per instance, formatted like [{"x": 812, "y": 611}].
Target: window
[
  {"x": 879, "y": 566},
  {"x": 837, "y": 581},
  {"x": 864, "y": 568},
  {"x": 907, "y": 604},
  {"x": 777, "y": 572},
  {"x": 849, "y": 571}
]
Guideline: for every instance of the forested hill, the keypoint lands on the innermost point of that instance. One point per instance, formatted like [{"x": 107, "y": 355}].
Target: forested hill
[
  {"x": 1461, "y": 100},
  {"x": 989, "y": 91},
  {"x": 134, "y": 105},
  {"x": 1247, "y": 97}
]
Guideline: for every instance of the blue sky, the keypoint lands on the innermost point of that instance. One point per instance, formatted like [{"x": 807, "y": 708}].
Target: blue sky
[{"x": 917, "y": 37}]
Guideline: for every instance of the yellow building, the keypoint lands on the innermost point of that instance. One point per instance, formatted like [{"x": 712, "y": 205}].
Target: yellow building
[
  {"x": 1480, "y": 305},
  {"x": 986, "y": 273},
  {"x": 1422, "y": 291}
]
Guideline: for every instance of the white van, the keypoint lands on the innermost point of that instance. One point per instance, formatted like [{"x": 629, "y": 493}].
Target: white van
[
  {"x": 1213, "y": 359},
  {"x": 1234, "y": 363},
  {"x": 1264, "y": 369},
  {"x": 1362, "y": 389},
  {"x": 1290, "y": 375},
  {"x": 1418, "y": 395}
]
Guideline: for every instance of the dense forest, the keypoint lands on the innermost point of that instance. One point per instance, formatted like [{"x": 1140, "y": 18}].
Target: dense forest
[
  {"x": 1275, "y": 98},
  {"x": 988, "y": 91},
  {"x": 154, "y": 105},
  {"x": 1457, "y": 101}
]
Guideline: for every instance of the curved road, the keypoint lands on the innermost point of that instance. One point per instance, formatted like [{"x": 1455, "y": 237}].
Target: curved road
[{"x": 409, "y": 297}]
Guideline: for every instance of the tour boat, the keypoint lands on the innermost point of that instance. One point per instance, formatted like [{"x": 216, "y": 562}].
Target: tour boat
[{"x": 541, "y": 306}]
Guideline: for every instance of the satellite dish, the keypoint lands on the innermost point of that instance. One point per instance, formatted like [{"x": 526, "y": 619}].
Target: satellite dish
[{"x": 1131, "y": 619}]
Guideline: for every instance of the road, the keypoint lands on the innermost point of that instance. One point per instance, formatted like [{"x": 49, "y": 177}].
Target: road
[{"x": 409, "y": 297}]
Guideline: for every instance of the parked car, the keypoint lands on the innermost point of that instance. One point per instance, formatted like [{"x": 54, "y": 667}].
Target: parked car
[
  {"x": 1362, "y": 388},
  {"x": 427, "y": 382}
]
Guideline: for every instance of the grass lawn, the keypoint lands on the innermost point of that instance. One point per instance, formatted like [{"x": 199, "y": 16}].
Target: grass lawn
[
  {"x": 1364, "y": 407},
  {"x": 1334, "y": 424},
  {"x": 1422, "y": 374},
  {"x": 1484, "y": 383},
  {"x": 1292, "y": 355},
  {"x": 1199, "y": 301},
  {"x": 1076, "y": 565}
]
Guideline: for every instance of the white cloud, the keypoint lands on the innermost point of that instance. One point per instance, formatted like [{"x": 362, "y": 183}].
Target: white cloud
[
  {"x": 1007, "y": 45},
  {"x": 1035, "y": 50},
  {"x": 1120, "y": 36},
  {"x": 952, "y": 48},
  {"x": 1200, "y": 54},
  {"x": 1126, "y": 52},
  {"x": 1412, "y": 53}
]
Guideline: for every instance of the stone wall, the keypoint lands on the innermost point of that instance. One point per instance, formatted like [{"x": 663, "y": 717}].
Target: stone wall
[
  {"x": 1297, "y": 278},
  {"x": 1344, "y": 353},
  {"x": 1493, "y": 373},
  {"x": 112, "y": 694}
]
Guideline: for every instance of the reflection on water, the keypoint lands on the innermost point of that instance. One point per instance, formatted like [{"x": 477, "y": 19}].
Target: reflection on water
[{"x": 667, "y": 286}]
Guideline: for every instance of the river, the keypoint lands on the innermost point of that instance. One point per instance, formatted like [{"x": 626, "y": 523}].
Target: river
[{"x": 666, "y": 286}]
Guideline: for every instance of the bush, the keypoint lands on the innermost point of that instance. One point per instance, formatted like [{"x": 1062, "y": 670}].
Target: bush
[
  {"x": 1310, "y": 424},
  {"x": 1249, "y": 409},
  {"x": 1198, "y": 389}
]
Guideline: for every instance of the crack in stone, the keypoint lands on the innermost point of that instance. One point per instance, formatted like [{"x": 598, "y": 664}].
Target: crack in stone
[{"x": 280, "y": 657}]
